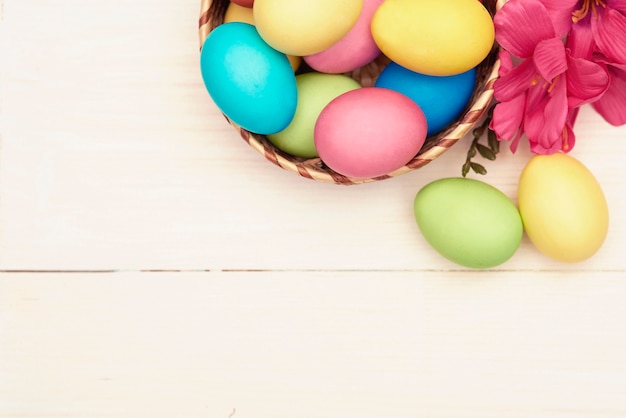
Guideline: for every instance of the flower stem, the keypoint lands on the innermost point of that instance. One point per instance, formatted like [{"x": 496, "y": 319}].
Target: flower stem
[{"x": 488, "y": 152}]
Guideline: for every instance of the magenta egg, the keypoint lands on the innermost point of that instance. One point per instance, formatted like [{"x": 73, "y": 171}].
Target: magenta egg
[
  {"x": 369, "y": 132},
  {"x": 354, "y": 50}
]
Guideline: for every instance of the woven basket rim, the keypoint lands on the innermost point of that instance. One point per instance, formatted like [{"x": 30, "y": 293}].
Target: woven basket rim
[{"x": 212, "y": 14}]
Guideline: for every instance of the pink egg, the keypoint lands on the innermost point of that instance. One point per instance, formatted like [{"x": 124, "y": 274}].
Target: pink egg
[
  {"x": 243, "y": 3},
  {"x": 369, "y": 132},
  {"x": 354, "y": 50}
]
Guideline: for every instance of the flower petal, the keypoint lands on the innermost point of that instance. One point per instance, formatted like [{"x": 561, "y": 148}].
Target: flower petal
[
  {"x": 550, "y": 58},
  {"x": 561, "y": 13},
  {"x": 516, "y": 81},
  {"x": 619, "y": 5},
  {"x": 544, "y": 124},
  {"x": 586, "y": 81},
  {"x": 552, "y": 148},
  {"x": 609, "y": 31},
  {"x": 507, "y": 120},
  {"x": 580, "y": 41},
  {"x": 560, "y": 4},
  {"x": 612, "y": 104},
  {"x": 601, "y": 59},
  {"x": 506, "y": 63},
  {"x": 568, "y": 135},
  {"x": 521, "y": 24}
]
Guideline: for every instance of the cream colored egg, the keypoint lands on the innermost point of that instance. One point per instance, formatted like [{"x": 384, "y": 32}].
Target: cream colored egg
[
  {"x": 305, "y": 27},
  {"x": 563, "y": 207}
]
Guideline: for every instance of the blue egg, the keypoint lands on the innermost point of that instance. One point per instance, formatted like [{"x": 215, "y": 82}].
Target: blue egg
[
  {"x": 250, "y": 82},
  {"x": 441, "y": 98}
]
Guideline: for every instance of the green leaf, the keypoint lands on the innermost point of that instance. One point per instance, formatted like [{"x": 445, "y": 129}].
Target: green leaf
[
  {"x": 478, "y": 169},
  {"x": 466, "y": 168},
  {"x": 486, "y": 152},
  {"x": 472, "y": 152},
  {"x": 494, "y": 144},
  {"x": 478, "y": 132}
]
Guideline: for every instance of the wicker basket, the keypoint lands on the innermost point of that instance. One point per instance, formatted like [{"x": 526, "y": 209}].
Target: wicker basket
[{"x": 212, "y": 14}]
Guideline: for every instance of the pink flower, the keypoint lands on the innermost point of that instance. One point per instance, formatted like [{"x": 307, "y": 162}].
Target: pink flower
[
  {"x": 539, "y": 96},
  {"x": 598, "y": 32},
  {"x": 612, "y": 104},
  {"x": 508, "y": 116},
  {"x": 596, "y": 24}
]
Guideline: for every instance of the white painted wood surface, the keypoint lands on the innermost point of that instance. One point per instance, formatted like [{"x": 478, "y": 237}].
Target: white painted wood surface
[{"x": 153, "y": 265}]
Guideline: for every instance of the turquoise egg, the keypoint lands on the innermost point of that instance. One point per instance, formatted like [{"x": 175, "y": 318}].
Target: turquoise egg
[
  {"x": 441, "y": 98},
  {"x": 250, "y": 82}
]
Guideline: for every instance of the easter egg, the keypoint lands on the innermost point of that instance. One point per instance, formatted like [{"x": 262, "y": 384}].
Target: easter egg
[
  {"x": 305, "y": 27},
  {"x": 563, "y": 207},
  {"x": 441, "y": 98},
  {"x": 352, "y": 51},
  {"x": 434, "y": 37},
  {"x": 369, "y": 132},
  {"x": 252, "y": 83},
  {"x": 315, "y": 91},
  {"x": 237, "y": 13},
  {"x": 469, "y": 222}
]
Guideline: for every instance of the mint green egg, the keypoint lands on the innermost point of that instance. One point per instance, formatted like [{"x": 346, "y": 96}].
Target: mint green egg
[
  {"x": 469, "y": 222},
  {"x": 315, "y": 91}
]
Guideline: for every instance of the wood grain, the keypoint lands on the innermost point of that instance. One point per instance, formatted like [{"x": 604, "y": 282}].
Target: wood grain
[{"x": 279, "y": 344}]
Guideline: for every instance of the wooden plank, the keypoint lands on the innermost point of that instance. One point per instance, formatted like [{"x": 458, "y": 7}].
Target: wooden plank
[
  {"x": 318, "y": 344},
  {"x": 114, "y": 157}
]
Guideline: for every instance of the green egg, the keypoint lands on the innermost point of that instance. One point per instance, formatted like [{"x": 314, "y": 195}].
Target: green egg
[
  {"x": 315, "y": 91},
  {"x": 469, "y": 222}
]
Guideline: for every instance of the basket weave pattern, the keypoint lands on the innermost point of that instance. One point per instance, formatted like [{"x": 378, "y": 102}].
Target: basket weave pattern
[{"x": 212, "y": 14}]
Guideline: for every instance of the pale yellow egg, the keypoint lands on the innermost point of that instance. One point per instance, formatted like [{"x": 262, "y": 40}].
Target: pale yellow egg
[
  {"x": 305, "y": 27},
  {"x": 237, "y": 13},
  {"x": 563, "y": 207}
]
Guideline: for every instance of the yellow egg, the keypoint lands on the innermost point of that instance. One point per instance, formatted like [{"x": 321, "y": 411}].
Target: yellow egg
[
  {"x": 305, "y": 27},
  {"x": 563, "y": 208},
  {"x": 237, "y": 13},
  {"x": 294, "y": 61},
  {"x": 434, "y": 37}
]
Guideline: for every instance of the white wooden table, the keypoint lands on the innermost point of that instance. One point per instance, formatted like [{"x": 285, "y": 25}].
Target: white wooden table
[{"x": 153, "y": 265}]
